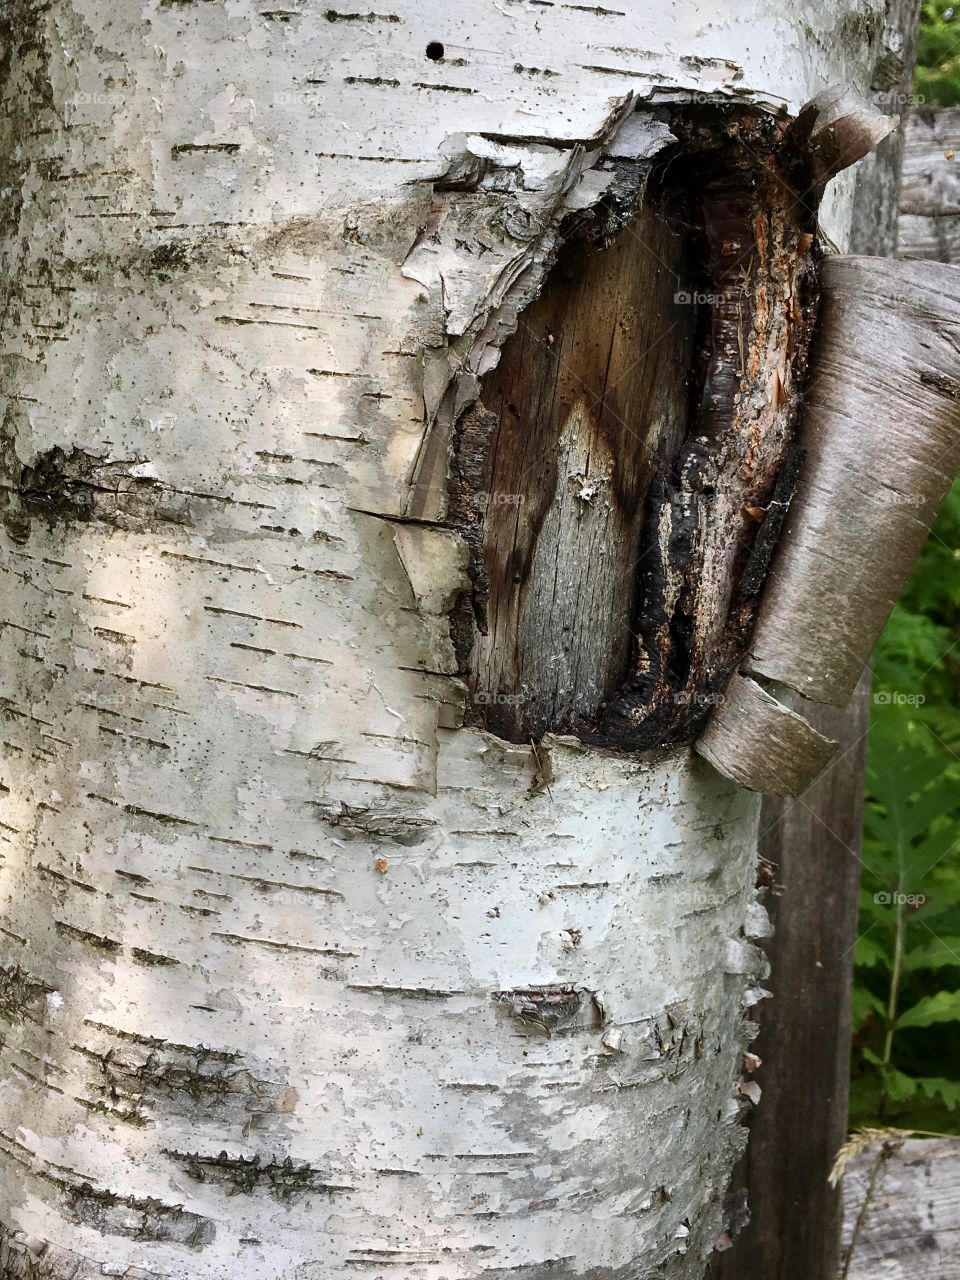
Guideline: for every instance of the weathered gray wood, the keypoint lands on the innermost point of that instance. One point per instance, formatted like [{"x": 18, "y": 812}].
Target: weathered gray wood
[
  {"x": 810, "y": 847},
  {"x": 901, "y": 1211},
  {"x": 877, "y": 192},
  {"x": 589, "y": 393},
  {"x": 929, "y": 225}
]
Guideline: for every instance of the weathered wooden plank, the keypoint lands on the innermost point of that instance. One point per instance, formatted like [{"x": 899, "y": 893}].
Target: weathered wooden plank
[
  {"x": 901, "y": 1211},
  {"x": 929, "y": 225},
  {"x": 810, "y": 845}
]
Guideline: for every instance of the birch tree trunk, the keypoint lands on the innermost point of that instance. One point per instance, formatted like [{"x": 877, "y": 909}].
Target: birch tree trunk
[{"x": 306, "y": 973}]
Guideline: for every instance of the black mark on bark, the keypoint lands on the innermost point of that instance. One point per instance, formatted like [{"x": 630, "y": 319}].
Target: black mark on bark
[
  {"x": 283, "y": 1179},
  {"x": 140, "y": 1077},
  {"x": 550, "y": 1011},
  {"x": 22, "y": 996},
  {"x": 145, "y": 1219},
  {"x": 79, "y": 487}
]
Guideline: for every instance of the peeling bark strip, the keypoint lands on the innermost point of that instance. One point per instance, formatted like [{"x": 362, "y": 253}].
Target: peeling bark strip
[
  {"x": 610, "y": 473},
  {"x": 882, "y": 438},
  {"x": 762, "y": 744},
  {"x": 882, "y": 433}
]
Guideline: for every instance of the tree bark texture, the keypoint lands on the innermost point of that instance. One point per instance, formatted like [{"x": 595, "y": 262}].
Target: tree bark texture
[{"x": 300, "y": 975}]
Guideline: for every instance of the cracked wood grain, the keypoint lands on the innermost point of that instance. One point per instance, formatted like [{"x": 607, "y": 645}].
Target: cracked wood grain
[
  {"x": 900, "y": 1205},
  {"x": 588, "y": 399},
  {"x": 929, "y": 223}
]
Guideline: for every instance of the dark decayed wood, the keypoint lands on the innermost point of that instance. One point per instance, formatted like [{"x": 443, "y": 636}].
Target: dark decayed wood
[{"x": 623, "y": 479}]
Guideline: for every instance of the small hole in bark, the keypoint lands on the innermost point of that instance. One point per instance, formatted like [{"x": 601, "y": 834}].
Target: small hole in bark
[{"x": 435, "y": 51}]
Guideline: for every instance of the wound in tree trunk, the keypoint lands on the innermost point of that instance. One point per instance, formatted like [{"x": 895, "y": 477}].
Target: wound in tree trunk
[
  {"x": 589, "y": 401},
  {"x": 624, "y": 475}
]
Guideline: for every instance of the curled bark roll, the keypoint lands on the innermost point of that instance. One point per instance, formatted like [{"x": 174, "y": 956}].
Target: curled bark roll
[
  {"x": 882, "y": 435},
  {"x": 755, "y": 740},
  {"x": 881, "y": 430},
  {"x": 838, "y": 128}
]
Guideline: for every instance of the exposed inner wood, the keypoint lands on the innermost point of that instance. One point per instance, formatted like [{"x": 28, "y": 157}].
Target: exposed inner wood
[
  {"x": 618, "y": 482},
  {"x": 589, "y": 401}
]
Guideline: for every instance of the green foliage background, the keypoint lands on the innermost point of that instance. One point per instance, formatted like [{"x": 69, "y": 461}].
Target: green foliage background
[
  {"x": 906, "y": 1060},
  {"x": 937, "y": 79},
  {"x": 906, "y": 1047}
]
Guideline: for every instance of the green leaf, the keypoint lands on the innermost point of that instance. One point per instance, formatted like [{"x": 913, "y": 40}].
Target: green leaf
[
  {"x": 870, "y": 954},
  {"x": 897, "y": 1086},
  {"x": 940, "y": 904},
  {"x": 947, "y": 1090},
  {"x": 935, "y": 953},
  {"x": 936, "y": 801},
  {"x": 865, "y": 1098},
  {"x": 864, "y": 1004},
  {"x": 943, "y": 1007},
  {"x": 944, "y": 839},
  {"x": 879, "y": 825},
  {"x": 912, "y": 819},
  {"x": 912, "y": 642}
]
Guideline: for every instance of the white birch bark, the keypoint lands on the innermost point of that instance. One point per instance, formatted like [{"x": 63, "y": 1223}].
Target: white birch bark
[{"x": 281, "y": 943}]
